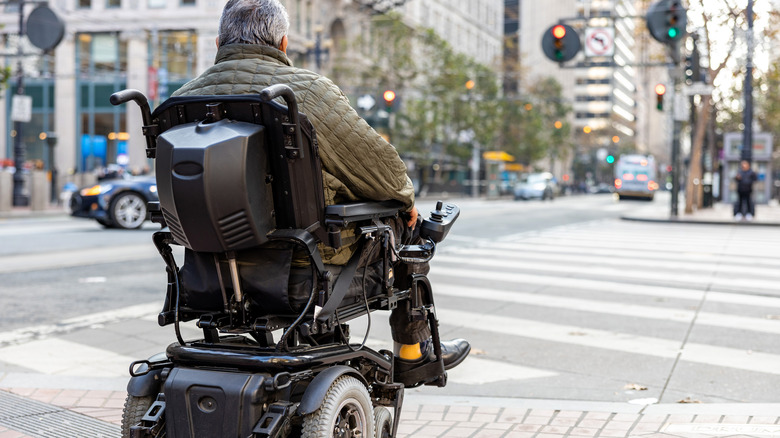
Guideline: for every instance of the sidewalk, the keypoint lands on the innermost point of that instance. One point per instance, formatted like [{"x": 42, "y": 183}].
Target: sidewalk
[
  {"x": 719, "y": 214},
  {"x": 81, "y": 412}
]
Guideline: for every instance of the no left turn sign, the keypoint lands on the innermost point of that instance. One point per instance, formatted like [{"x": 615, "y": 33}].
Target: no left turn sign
[{"x": 599, "y": 41}]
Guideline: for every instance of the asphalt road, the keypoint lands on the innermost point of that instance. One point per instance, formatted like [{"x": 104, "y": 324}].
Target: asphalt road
[{"x": 559, "y": 299}]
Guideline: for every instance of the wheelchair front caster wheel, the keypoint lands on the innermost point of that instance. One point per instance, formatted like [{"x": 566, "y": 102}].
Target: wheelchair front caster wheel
[{"x": 383, "y": 422}]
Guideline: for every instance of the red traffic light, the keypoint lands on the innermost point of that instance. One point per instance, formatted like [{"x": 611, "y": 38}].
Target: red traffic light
[
  {"x": 559, "y": 31},
  {"x": 389, "y": 96},
  {"x": 660, "y": 89}
]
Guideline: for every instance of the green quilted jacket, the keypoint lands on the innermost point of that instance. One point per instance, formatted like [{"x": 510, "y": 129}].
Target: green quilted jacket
[{"x": 358, "y": 164}]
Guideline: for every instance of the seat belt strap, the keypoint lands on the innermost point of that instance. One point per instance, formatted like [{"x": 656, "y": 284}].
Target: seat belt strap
[{"x": 341, "y": 287}]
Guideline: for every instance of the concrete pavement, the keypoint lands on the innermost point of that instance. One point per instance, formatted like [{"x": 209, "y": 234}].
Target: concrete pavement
[
  {"x": 76, "y": 410},
  {"x": 720, "y": 213}
]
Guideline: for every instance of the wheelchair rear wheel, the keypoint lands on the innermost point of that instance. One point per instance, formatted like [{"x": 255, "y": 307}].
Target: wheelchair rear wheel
[
  {"x": 135, "y": 409},
  {"x": 346, "y": 412}
]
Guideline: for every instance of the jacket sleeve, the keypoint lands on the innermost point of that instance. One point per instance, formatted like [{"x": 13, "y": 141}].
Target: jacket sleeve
[{"x": 352, "y": 151}]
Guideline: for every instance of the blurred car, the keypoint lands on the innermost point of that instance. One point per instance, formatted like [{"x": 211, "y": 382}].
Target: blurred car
[
  {"x": 536, "y": 186},
  {"x": 602, "y": 188},
  {"x": 116, "y": 203}
]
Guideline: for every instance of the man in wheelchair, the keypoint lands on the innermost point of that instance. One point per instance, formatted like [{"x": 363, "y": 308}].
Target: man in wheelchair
[{"x": 357, "y": 163}]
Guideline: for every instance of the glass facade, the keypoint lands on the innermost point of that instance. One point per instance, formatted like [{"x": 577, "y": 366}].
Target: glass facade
[
  {"x": 39, "y": 85},
  {"x": 101, "y": 60},
  {"x": 173, "y": 61}
]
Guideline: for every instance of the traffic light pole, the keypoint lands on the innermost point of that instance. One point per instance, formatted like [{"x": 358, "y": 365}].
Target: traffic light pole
[
  {"x": 674, "y": 49},
  {"x": 747, "y": 139}
]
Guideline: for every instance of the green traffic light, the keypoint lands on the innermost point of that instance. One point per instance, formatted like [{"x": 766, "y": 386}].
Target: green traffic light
[
  {"x": 673, "y": 32},
  {"x": 610, "y": 159}
]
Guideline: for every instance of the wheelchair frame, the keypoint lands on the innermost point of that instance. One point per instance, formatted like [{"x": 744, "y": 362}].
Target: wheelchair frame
[{"x": 270, "y": 385}]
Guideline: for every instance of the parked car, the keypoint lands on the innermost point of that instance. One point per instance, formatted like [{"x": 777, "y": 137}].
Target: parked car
[
  {"x": 536, "y": 186},
  {"x": 116, "y": 203}
]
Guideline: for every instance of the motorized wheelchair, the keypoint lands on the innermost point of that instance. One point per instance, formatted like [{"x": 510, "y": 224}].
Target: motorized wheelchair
[{"x": 240, "y": 188}]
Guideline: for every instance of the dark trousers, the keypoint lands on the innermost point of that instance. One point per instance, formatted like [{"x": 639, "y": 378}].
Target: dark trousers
[
  {"x": 744, "y": 204},
  {"x": 402, "y": 328}
]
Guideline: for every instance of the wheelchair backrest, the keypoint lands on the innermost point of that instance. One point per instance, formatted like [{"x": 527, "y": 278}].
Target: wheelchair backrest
[{"x": 231, "y": 169}]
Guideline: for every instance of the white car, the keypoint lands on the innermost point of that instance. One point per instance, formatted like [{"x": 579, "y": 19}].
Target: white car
[{"x": 536, "y": 186}]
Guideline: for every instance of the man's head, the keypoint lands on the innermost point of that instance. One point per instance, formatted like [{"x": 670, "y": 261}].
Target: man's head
[
  {"x": 745, "y": 165},
  {"x": 262, "y": 22}
]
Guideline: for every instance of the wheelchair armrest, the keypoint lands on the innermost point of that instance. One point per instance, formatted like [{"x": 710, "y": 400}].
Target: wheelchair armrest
[{"x": 343, "y": 214}]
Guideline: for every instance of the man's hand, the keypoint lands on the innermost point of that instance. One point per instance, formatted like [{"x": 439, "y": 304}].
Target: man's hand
[{"x": 413, "y": 218}]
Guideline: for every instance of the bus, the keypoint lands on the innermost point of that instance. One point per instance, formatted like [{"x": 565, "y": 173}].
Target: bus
[{"x": 636, "y": 177}]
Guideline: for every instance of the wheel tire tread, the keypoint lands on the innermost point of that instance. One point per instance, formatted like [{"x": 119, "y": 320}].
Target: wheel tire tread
[
  {"x": 313, "y": 427},
  {"x": 135, "y": 408}
]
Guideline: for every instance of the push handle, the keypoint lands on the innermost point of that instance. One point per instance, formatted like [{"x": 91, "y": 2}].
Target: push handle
[
  {"x": 129, "y": 94},
  {"x": 285, "y": 92}
]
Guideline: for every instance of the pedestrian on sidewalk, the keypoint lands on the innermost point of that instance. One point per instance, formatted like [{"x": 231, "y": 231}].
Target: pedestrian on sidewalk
[{"x": 744, "y": 208}]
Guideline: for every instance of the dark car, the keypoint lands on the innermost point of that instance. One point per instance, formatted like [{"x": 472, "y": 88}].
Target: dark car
[{"x": 116, "y": 203}]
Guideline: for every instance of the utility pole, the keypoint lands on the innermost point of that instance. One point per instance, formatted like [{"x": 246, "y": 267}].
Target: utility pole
[
  {"x": 20, "y": 198},
  {"x": 747, "y": 139}
]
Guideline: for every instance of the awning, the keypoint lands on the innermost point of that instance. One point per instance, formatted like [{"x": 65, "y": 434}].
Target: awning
[{"x": 497, "y": 156}]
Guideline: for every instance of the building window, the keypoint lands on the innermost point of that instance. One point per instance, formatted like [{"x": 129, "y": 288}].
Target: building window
[
  {"x": 173, "y": 61},
  {"x": 113, "y": 4},
  {"x": 188, "y": 2},
  {"x": 85, "y": 4},
  {"x": 101, "y": 59}
]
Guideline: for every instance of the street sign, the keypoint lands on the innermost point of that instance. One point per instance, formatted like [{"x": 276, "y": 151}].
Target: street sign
[
  {"x": 682, "y": 109},
  {"x": 698, "y": 88},
  {"x": 21, "y": 108},
  {"x": 366, "y": 102},
  {"x": 599, "y": 41},
  {"x": 44, "y": 28}
]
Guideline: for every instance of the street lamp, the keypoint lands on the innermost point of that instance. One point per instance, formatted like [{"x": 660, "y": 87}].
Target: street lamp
[{"x": 320, "y": 49}]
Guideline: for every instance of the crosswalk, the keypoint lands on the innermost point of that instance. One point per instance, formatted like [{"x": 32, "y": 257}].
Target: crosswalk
[
  {"x": 558, "y": 312},
  {"x": 703, "y": 298}
]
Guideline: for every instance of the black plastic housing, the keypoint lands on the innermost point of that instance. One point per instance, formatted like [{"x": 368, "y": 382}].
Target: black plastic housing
[
  {"x": 439, "y": 223},
  {"x": 214, "y": 187},
  {"x": 210, "y": 403}
]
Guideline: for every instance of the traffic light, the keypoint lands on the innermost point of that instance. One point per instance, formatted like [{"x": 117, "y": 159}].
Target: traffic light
[
  {"x": 560, "y": 43},
  {"x": 660, "y": 90},
  {"x": 688, "y": 70},
  {"x": 389, "y": 97},
  {"x": 666, "y": 20},
  {"x": 610, "y": 158}
]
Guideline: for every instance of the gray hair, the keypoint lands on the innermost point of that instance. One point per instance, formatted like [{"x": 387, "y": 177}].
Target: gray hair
[{"x": 262, "y": 22}]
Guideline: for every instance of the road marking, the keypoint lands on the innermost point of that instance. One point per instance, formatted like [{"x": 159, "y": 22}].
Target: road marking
[
  {"x": 611, "y": 308},
  {"x": 478, "y": 371},
  {"x": 560, "y": 247},
  {"x": 76, "y": 257},
  {"x": 613, "y": 341},
  {"x": 84, "y": 321},
  {"x": 629, "y": 259},
  {"x": 61, "y": 357},
  {"x": 615, "y": 273},
  {"x": 444, "y": 275}
]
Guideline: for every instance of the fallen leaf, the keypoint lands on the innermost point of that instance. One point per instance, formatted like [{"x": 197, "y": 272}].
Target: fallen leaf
[
  {"x": 577, "y": 333},
  {"x": 635, "y": 387},
  {"x": 478, "y": 352},
  {"x": 688, "y": 400},
  {"x": 773, "y": 317}
]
